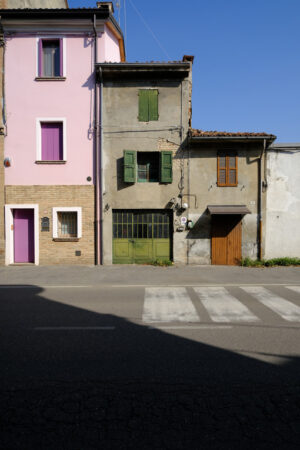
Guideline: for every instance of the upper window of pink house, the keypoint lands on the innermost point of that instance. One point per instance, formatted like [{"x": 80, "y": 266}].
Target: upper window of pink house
[{"x": 50, "y": 58}]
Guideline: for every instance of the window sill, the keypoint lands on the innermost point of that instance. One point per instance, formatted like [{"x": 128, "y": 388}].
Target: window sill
[
  {"x": 50, "y": 78},
  {"x": 66, "y": 239},
  {"x": 51, "y": 162}
]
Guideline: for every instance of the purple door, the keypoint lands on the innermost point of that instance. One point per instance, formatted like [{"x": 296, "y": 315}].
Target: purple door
[{"x": 24, "y": 235}]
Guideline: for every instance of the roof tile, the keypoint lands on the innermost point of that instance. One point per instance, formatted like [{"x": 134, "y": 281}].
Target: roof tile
[{"x": 202, "y": 133}]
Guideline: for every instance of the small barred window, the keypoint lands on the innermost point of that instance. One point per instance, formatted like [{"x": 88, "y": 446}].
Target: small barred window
[{"x": 67, "y": 224}]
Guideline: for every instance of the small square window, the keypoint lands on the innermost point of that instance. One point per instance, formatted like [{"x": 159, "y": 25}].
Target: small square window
[
  {"x": 147, "y": 167},
  {"x": 50, "y": 58},
  {"x": 67, "y": 222}
]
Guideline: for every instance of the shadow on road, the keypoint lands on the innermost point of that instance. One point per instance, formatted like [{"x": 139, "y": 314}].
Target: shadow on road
[{"x": 123, "y": 385}]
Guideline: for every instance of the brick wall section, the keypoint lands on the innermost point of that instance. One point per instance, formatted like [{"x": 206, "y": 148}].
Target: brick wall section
[{"x": 48, "y": 197}]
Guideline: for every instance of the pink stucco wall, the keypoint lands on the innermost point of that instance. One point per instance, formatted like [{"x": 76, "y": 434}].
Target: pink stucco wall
[
  {"x": 27, "y": 100},
  {"x": 111, "y": 45}
]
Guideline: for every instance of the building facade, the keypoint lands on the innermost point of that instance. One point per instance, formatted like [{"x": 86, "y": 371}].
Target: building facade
[
  {"x": 50, "y": 130},
  {"x": 228, "y": 203},
  {"x": 144, "y": 120},
  {"x": 283, "y": 201}
]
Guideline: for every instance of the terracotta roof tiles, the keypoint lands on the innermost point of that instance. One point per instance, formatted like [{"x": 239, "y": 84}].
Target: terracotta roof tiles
[{"x": 202, "y": 133}]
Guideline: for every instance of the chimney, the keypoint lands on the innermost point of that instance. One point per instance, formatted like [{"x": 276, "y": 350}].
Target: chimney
[
  {"x": 108, "y": 5},
  {"x": 188, "y": 58}
]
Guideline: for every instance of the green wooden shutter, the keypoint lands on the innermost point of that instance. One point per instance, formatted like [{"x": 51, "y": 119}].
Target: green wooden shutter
[
  {"x": 143, "y": 105},
  {"x": 166, "y": 167},
  {"x": 153, "y": 104},
  {"x": 129, "y": 166}
]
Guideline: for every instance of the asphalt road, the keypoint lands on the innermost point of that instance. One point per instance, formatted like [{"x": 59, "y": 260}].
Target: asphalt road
[{"x": 149, "y": 359}]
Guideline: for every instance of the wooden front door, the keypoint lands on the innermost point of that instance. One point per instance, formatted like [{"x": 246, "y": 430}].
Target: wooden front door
[{"x": 226, "y": 240}]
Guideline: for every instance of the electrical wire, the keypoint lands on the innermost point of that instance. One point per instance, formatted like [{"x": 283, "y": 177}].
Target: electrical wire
[{"x": 148, "y": 28}]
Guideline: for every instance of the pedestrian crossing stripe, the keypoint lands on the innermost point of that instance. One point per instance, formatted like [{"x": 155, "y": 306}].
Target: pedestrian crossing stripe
[
  {"x": 222, "y": 306},
  {"x": 287, "y": 310},
  {"x": 294, "y": 288},
  {"x": 167, "y": 304},
  {"x": 173, "y": 304}
]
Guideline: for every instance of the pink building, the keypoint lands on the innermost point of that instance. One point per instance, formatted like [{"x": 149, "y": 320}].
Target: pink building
[{"x": 50, "y": 123}]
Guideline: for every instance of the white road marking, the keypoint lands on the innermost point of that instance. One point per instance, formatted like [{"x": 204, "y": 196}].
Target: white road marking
[
  {"x": 222, "y": 306},
  {"x": 287, "y": 310},
  {"x": 294, "y": 288},
  {"x": 191, "y": 327},
  {"x": 164, "y": 304},
  {"x": 121, "y": 286},
  {"x": 73, "y": 328}
]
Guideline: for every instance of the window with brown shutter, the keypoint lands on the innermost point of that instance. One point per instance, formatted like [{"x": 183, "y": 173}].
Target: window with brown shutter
[{"x": 227, "y": 169}]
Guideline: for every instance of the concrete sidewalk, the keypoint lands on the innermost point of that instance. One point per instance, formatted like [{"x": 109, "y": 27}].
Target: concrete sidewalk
[{"x": 127, "y": 275}]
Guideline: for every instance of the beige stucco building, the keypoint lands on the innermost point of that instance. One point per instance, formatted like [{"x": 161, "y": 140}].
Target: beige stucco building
[{"x": 227, "y": 200}]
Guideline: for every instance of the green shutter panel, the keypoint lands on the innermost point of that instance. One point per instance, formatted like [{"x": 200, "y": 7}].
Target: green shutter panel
[
  {"x": 166, "y": 167},
  {"x": 143, "y": 105},
  {"x": 129, "y": 166},
  {"x": 153, "y": 104}
]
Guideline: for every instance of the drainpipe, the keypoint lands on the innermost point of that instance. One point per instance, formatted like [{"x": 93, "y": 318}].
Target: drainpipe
[
  {"x": 260, "y": 201},
  {"x": 96, "y": 158},
  {"x": 100, "y": 140},
  {"x": 181, "y": 183}
]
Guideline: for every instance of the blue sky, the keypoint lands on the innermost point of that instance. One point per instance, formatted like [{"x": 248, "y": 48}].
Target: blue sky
[{"x": 246, "y": 73}]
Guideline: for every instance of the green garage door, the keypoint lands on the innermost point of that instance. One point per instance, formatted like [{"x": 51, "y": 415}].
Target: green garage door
[{"x": 141, "y": 236}]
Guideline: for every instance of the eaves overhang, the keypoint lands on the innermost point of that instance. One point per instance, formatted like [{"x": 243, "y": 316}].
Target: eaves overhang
[
  {"x": 112, "y": 71},
  {"x": 242, "y": 137},
  {"x": 56, "y": 13},
  {"x": 228, "y": 210}
]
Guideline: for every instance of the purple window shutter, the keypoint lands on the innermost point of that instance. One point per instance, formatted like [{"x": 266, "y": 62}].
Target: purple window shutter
[
  {"x": 52, "y": 141},
  {"x": 61, "y": 71},
  {"x": 40, "y": 58}
]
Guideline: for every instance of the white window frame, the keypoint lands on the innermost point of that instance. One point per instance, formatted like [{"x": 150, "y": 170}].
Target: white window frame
[
  {"x": 39, "y": 122},
  {"x": 9, "y": 232},
  {"x": 56, "y": 210},
  {"x": 54, "y": 37}
]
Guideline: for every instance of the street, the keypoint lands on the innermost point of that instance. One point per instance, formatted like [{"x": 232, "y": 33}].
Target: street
[{"x": 143, "y": 357}]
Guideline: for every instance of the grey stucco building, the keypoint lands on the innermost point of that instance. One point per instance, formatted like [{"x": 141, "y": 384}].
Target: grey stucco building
[{"x": 144, "y": 121}]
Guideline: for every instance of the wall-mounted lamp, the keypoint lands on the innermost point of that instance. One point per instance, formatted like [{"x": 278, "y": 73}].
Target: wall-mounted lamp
[
  {"x": 7, "y": 162},
  {"x": 185, "y": 205}
]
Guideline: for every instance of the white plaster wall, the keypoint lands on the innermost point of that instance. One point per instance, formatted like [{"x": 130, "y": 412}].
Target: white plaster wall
[{"x": 283, "y": 204}]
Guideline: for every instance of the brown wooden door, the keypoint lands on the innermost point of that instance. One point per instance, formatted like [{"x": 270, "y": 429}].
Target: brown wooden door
[{"x": 226, "y": 240}]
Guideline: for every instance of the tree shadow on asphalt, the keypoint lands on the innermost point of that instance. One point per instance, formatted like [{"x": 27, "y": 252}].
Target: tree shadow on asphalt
[{"x": 126, "y": 385}]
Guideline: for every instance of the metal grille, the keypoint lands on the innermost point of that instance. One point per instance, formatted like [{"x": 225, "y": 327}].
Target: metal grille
[
  {"x": 67, "y": 224},
  {"x": 139, "y": 225}
]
